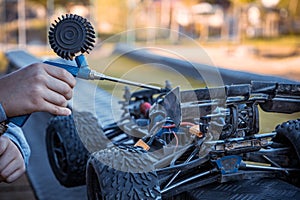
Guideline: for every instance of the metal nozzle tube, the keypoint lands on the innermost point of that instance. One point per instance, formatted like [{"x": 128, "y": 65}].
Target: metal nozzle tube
[{"x": 99, "y": 76}]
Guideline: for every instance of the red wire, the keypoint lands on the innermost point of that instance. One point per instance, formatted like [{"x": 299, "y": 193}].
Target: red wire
[
  {"x": 181, "y": 124},
  {"x": 169, "y": 126}
]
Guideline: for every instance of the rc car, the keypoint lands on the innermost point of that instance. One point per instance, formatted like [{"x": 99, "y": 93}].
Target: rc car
[{"x": 169, "y": 141}]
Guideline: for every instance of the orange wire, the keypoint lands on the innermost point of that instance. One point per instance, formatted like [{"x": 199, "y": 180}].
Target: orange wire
[{"x": 187, "y": 124}]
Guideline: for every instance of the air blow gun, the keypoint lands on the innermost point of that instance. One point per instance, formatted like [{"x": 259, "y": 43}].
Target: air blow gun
[{"x": 70, "y": 35}]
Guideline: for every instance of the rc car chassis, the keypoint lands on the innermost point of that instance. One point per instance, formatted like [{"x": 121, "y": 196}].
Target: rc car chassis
[{"x": 171, "y": 141}]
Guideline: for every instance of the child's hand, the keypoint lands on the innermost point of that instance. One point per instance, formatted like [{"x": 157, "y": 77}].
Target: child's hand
[{"x": 12, "y": 165}]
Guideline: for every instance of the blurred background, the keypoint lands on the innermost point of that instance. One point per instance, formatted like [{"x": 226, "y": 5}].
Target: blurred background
[
  {"x": 223, "y": 20},
  {"x": 257, "y": 36},
  {"x": 265, "y": 32}
]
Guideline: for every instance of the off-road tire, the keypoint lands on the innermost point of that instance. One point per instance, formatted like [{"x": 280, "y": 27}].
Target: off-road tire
[
  {"x": 288, "y": 133},
  {"x": 66, "y": 153},
  {"x": 69, "y": 145},
  {"x": 121, "y": 173}
]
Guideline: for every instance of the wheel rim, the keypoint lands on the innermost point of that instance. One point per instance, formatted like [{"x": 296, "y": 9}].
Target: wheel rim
[{"x": 59, "y": 153}]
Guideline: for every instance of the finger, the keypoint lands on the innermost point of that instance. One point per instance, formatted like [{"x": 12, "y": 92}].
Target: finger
[
  {"x": 61, "y": 74},
  {"x": 4, "y": 162},
  {"x": 3, "y": 145},
  {"x": 14, "y": 176},
  {"x": 55, "y": 109},
  {"x": 13, "y": 171},
  {"x": 11, "y": 168},
  {"x": 60, "y": 87},
  {"x": 55, "y": 99},
  {"x": 8, "y": 155}
]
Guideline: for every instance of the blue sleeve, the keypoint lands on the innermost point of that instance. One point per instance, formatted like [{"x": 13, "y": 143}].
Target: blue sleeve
[
  {"x": 15, "y": 134},
  {"x": 2, "y": 114}
]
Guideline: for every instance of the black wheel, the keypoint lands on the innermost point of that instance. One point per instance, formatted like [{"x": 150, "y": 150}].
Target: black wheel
[
  {"x": 121, "y": 173},
  {"x": 69, "y": 146},
  {"x": 288, "y": 133}
]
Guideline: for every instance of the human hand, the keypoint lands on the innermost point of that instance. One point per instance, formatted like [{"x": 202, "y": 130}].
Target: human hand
[
  {"x": 12, "y": 165},
  {"x": 37, "y": 87}
]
